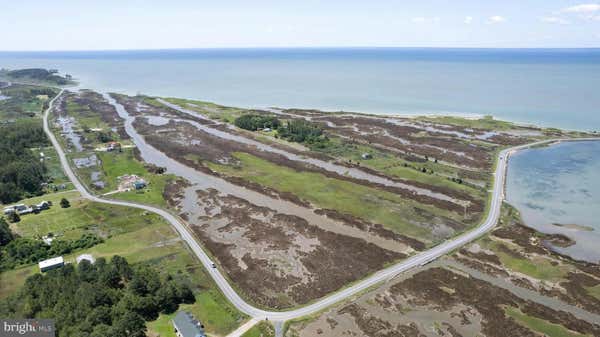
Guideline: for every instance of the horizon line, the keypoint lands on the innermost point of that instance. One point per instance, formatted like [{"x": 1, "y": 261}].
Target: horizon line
[{"x": 292, "y": 48}]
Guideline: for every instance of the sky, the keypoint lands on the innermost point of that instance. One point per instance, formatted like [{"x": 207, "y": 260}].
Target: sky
[{"x": 133, "y": 24}]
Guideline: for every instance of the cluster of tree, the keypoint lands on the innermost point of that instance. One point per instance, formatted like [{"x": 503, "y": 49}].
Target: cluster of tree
[
  {"x": 104, "y": 299},
  {"x": 104, "y": 137},
  {"x": 6, "y": 235},
  {"x": 39, "y": 74},
  {"x": 20, "y": 251},
  {"x": 21, "y": 171},
  {"x": 256, "y": 122},
  {"x": 457, "y": 180},
  {"x": 302, "y": 131},
  {"x": 64, "y": 203}
]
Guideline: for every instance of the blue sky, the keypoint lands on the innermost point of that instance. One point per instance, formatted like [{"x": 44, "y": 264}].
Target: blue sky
[{"x": 109, "y": 24}]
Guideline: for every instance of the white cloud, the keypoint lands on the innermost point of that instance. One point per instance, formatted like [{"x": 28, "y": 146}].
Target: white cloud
[
  {"x": 468, "y": 20},
  {"x": 585, "y": 11},
  {"x": 555, "y": 20},
  {"x": 583, "y": 8},
  {"x": 496, "y": 19},
  {"x": 421, "y": 19}
]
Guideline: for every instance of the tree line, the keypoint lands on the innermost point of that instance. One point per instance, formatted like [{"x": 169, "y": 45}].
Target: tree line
[
  {"x": 22, "y": 174},
  {"x": 254, "y": 122},
  {"x": 103, "y": 299},
  {"x": 296, "y": 130}
]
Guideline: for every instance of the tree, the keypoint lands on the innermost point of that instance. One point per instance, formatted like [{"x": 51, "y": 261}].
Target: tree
[
  {"x": 122, "y": 267},
  {"x": 6, "y": 235},
  {"x": 254, "y": 122},
  {"x": 64, "y": 203},
  {"x": 130, "y": 325},
  {"x": 14, "y": 217},
  {"x": 88, "y": 300}
]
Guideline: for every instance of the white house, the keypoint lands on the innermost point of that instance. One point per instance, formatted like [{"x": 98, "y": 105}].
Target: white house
[
  {"x": 53, "y": 263},
  {"x": 187, "y": 326}
]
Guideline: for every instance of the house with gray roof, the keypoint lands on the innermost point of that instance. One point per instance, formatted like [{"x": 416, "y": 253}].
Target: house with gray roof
[{"x": 187, "y": 326}]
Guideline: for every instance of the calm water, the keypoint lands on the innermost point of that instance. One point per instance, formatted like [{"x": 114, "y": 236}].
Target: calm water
[
  {"x": 542, "y": 86},
  {"x": 560, "y": 184}
]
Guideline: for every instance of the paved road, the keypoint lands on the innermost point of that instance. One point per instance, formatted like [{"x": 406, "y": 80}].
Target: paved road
[{"x": 381, "y": 276}]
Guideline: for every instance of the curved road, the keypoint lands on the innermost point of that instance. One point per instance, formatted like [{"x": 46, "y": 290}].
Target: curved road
[{"x": 381, "y": 276}]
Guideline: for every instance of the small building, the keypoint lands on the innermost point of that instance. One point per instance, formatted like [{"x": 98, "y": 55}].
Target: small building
[
  {"x": 187, "y": 326},
  {"x": 366, "y": 156},
  {"x": 86, "y": 257},
  {"x": 128, "y": 182},
  {"x": 44, "y": 205},
  {"x": 53, "y": 263},
  {"x": 139, "y": 184},
  {"x": 113, "y": 146},
  {"x": 19, "y": 209},
  {"x": 48, "y": 239}
]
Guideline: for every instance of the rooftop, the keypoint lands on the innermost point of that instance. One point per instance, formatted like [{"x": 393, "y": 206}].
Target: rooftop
[
  {"x": 51, "y": 262},
  {"x": 187, "y": 325}
]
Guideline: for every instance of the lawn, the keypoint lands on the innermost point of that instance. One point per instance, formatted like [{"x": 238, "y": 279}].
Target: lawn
[
  {"x": 262, "y": 329},
  {"x": 83, "y": 216},
  {"x": 115, "y": 164},
  {"x": 139, "y": 236},
  {"x": 361, "y": 201},
  {"x": 540, "y": 325}
]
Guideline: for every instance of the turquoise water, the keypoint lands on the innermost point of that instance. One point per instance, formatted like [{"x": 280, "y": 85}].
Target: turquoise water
[
  {"x": 542, "y": 86},
  {"x": 560, "y": 184}
]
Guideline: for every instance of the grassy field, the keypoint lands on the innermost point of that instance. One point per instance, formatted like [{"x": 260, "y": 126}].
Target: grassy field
[
  {"x": 211, "y": 110},
  {"x": 594, "y": 291},
  {"x": 83, "y": 216},
  {"x": 115, "y": 164},
  {"x": 485, "y": 123},
  {"x": 139, "y": 236},
  {"x": 437, "y": 174},
  {"x": 536, "y": 267},
  {"x": 262, "y": 329},
  {"x": 540, "y": 325},
  {"x": 364, "y": 202},
  {"x": 23, "y": 101}
]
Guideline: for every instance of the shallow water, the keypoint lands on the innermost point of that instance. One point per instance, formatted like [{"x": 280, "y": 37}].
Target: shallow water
[{"x": 560, "y": 184}]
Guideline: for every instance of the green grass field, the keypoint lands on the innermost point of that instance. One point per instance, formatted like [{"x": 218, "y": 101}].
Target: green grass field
[
  {"x": 83, "y": 216},
  {"x": 594, "y": 291},
  {"x": 211, "y": 110},
  {"x": 394, "y": 166},
  {"x": 116, "y": 164},
  {"x": 539, "y": 325},
  {"x": 364, "y": 202},
  {"x": 262, "y": 329},
  {"x": 539, "y": 268},
  {"x": 139, "y": 236},
  {"x": 485, "y": 123},
  {"x": 23, "y": 101}
]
